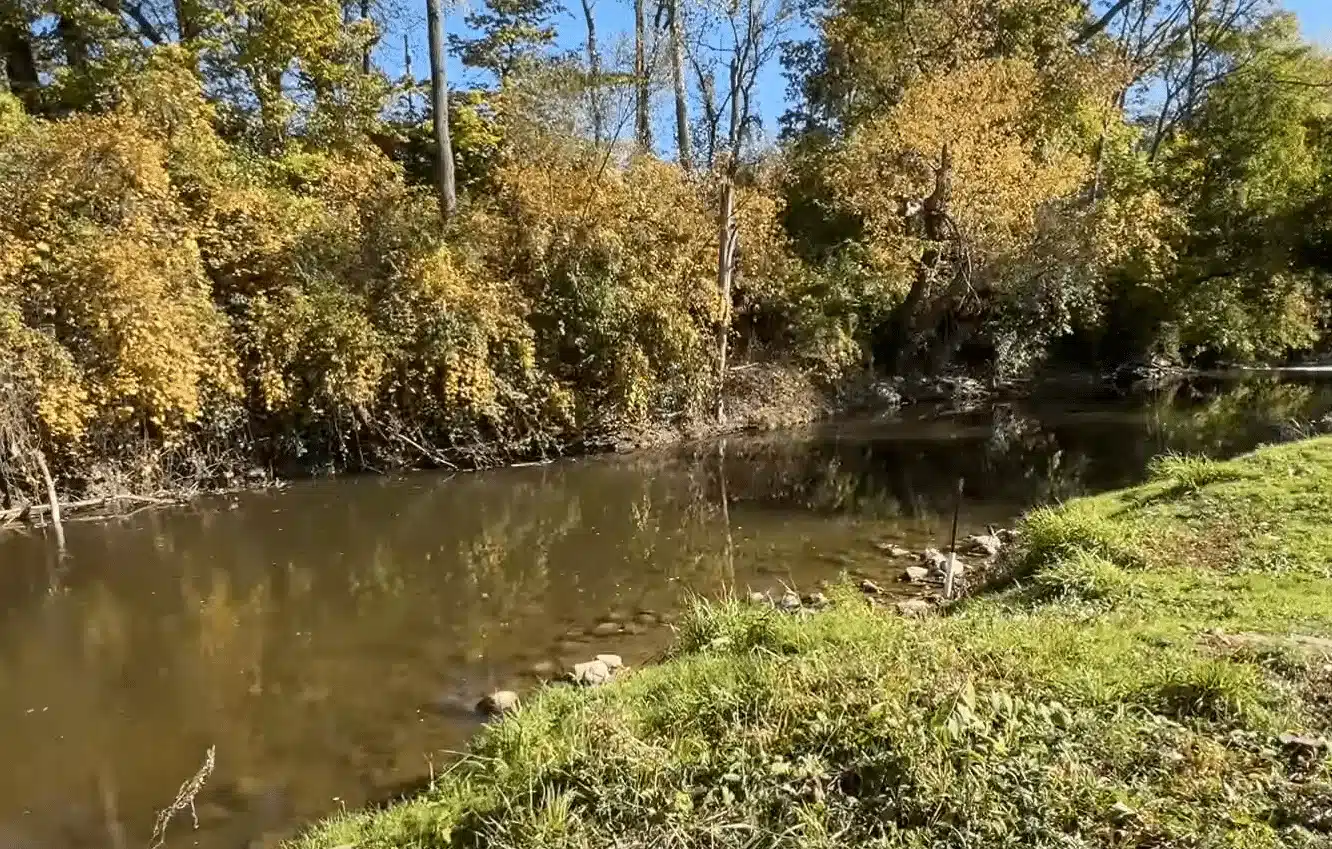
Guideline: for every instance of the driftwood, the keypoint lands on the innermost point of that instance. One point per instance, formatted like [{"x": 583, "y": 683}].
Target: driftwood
[{"x": 56, "y": 509}]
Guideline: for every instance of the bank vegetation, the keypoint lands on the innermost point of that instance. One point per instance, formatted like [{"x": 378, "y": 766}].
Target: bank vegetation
[{"x": 236, "y": 234}]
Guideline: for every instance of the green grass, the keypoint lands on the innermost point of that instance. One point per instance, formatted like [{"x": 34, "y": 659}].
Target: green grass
[{"x": 1095, "y": 701}]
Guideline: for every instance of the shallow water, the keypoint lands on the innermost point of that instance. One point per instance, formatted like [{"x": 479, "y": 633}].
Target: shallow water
[{"x": 330, "y": 638}]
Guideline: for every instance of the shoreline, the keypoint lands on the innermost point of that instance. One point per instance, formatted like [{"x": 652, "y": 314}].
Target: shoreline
[
  {"x": 1101, "y": 634},
  {"x": 769, "y": 397}
]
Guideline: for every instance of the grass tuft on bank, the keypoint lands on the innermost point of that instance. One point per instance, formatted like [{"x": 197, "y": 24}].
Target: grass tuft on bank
[{"x": 1157, "y": 672}]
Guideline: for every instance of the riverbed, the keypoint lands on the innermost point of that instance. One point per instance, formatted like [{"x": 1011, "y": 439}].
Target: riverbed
[{"x": 328, "y": 639}]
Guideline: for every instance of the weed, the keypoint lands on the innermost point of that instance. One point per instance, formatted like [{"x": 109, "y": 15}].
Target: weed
[
  {"x": 1082, "y": 575},
  {"x": 1186, "y": 473},
  {"x": 1053, "y": 534}
]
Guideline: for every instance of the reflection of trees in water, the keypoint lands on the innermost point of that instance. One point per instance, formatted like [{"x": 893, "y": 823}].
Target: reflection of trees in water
[
  {"x": 1231, "y": 418},
  {"x": 1013, "y": 454},
  {"x": 290, "y": 631}
]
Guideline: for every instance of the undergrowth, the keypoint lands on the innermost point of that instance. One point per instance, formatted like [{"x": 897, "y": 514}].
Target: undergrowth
[{"x": 1129, "y": 690}]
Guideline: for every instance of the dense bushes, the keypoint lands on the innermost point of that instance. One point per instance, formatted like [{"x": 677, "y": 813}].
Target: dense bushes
[
  {"x": 162, "y": 287},
  {"x": 220, "y": 247}
]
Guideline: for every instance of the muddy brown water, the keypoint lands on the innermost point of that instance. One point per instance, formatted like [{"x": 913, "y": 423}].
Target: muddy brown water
[{"x": 329, "y": 639}]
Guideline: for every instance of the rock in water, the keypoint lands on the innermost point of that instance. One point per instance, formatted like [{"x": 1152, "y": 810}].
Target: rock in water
[
  {"x": 544, "y": 669},
  {"x": 606, "y": 629},
  {"x": 790, "y": 602},
  {"x": 986, "y": 545},
  {"x": 893, "y": 550},
  {"x": 916, "y": 574},
  {"x": 815, "y": 600},
  {"x": 499, "y": 702},
  {"x": 613, "y": 661},
  {"x": 914, "y": 607},
  {"x": 868, "y": 587},
  {"x": 594, "y": 673},
  {"x": 934, "y": 558}
]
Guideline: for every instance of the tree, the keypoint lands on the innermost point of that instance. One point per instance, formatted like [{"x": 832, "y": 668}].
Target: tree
[
  {"x": 439, "y": 107},
  {"x": 754, "y": 30},
  {"x": 513, "y": 36},
  {"x": 674, "y": 10},
  {"x": 949, "y": 181},
  {"x": 642, "y": 87},
  {"x": 594, "y": 80}
]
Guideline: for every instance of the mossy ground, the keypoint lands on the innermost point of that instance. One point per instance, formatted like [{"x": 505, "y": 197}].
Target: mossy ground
[{"x": 1114, "y": 693}]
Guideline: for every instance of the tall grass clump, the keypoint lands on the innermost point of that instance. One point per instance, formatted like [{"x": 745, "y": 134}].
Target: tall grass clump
[
  {"x": 1054, "y": 534},
  {"x": 1190, "y": 474}
]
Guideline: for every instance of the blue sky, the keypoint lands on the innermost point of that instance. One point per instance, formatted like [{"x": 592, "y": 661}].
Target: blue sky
[
  {"x": 1315, "y": 19},
  {"x": 615, "y": 18}
]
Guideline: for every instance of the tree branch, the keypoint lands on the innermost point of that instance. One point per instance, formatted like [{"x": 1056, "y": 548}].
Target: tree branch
[{"x": 1098, "y": 26}]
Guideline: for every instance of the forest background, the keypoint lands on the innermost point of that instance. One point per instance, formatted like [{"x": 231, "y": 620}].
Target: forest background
[{"x": 317, "y": 234}]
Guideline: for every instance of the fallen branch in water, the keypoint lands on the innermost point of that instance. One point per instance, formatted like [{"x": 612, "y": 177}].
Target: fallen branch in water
[
  {"x": 184, "y": 799},
  {"x": 32, "y": 510}
]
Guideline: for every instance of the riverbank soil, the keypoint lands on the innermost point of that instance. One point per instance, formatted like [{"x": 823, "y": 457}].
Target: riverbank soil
[{"x": 1156, "y": 671}]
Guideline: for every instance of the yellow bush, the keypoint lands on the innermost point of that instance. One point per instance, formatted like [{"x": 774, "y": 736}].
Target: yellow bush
[{"x": 108, "y": 269}]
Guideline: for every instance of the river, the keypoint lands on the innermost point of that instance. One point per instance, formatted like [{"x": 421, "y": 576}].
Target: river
[{"x": 328, "y": 638}]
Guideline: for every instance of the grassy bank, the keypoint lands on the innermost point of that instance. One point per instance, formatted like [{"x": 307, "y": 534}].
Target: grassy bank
[{"x": 1159, "y": 673}]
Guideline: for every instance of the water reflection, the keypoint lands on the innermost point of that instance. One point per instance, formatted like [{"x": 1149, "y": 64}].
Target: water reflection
[{"x": 329, "y": 639}]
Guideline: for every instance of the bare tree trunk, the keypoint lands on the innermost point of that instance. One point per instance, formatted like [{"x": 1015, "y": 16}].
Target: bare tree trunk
[
  {"x": 642, "y": 116},
  {"x": 682, "y": 141},
  {"x": 594, "y": 75},
  {"x": 711, "y": 114},
  {"x": 935, "y": 215},
  {"x": 439, "y": 99},
  {"x": 73, "y": 41},
  {"x": 726, "y": 233},
  {"x": 51, "y": 497},
  {"x": 370, "y": 46}
]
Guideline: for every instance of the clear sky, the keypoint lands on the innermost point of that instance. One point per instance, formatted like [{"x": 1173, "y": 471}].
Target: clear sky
[
  {"x": 615, "y": 21},
  {"x": 1315, "y": 18}
]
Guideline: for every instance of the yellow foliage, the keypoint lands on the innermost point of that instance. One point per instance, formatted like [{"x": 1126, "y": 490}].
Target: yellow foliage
[
  {"x": 1004, "y": 167},
  {"x": 619, "y": 268},
  {"x": 111, "y": 270}
]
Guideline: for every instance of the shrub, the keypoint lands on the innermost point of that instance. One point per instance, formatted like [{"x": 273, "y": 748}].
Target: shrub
[
  {"x": 1054, "y": 534},
  {"x": 1082, "y": 576},
  {"x": 1190, "y": 474}
]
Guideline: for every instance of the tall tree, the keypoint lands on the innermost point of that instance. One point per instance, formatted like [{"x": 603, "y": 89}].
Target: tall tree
[
  {"x": 439, "y": 103},
  {"x": 642, "y": 89},
  {"x": 683, "y": 141},
  {"x": 594, "y": 90},
  {"x": 756, "y": 30},
  {"x": 512, "y": 36},
  {"x": 18, "y": 60},
  {"x": 189, "y": 20}
]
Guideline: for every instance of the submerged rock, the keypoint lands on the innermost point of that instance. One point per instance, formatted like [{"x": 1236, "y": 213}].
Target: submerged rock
[
  {"x": 892, "y": 549},
  {"x": 544, "y": 669},
  {"x": 497, "y": 703},
  {"x": 916, "y": 574},
  {"x": 607, "y": 629}
]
